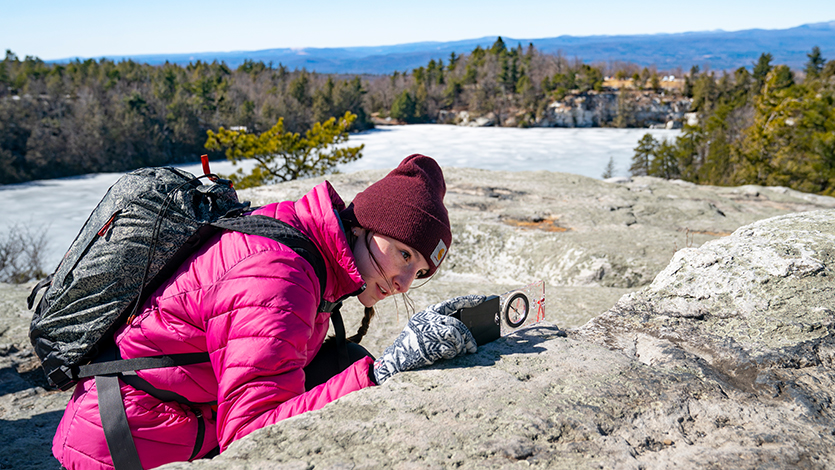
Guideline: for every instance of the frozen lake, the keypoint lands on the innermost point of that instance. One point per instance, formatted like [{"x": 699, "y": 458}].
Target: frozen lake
[{"x": 61, "y": 206}]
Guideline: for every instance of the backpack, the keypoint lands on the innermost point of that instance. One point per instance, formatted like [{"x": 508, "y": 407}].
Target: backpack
[{"x": 148, "y": 223}]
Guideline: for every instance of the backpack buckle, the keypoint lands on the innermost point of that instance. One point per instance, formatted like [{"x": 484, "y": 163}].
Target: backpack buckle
[{"x": 61, "y": 378}]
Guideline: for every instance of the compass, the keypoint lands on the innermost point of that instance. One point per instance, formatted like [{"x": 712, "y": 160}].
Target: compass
[{"x": 516, "y": 309}]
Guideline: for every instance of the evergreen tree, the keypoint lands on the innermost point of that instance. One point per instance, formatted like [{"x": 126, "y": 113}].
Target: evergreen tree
[
  {"x": 470, "y": 74},
  {"x": 761, "y": 69},
  {"x": 323, "y": 102},
  {"x": 655, "y": 82},
  {"x": 477, "y": 57},
  {"x": 643, "y": 156},
  {"x": 625, "y": 116},
  {"x": 790, "y": 142},
  {"x": 350, "y": 98},
  {"x": 814, "y": 66},
  {"x": 743, "y": 83},
  {"x": 689, "y": 80},
  {"x": 783, "y": 77},
  {"x": 451, "y": 94},
  {"x": 300, "y": 89},
  {"x": 609, "y": 171},
  {"x": 285, "y": 156},
  {"x": 419, "y": 75},
  {"x": 453, "y": 61},
  {"x": 498, "y": 47},
  {"x": 403, "y": 108},
  {"x": 705, "y": 93},
  {"x": 664, "y": 161},
  {"x": 530, "y": 52}
]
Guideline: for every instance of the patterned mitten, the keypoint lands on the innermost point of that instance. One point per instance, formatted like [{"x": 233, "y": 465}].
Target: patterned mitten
[
  {"x": 448, "y": 307},
  {"x": 427, "y": 337}
]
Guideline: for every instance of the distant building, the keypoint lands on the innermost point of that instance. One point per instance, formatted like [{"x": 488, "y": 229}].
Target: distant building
[{"x": 668, "y": 82}]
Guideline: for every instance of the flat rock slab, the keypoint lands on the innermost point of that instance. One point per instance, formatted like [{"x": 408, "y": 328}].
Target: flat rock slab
[
  {"x": 649, "y": 384},
  {"x": 591, "y": 241},
  {"x": 29, "y": 412},
  {"x": 670, "y": 376}
]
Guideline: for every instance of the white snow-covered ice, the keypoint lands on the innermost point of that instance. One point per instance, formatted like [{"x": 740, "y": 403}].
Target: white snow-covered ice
[
  {"x": 580, "y": 151},
  {"x": 61, "y": 206}
]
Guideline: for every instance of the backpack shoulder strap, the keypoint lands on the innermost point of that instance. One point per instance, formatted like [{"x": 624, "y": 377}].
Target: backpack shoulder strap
[
  {"x": 107, "y": 372},
  {"x": 294, "y": 238},
  {"x": 287, "y": 235},
  {"x": 252, "y": 225}
]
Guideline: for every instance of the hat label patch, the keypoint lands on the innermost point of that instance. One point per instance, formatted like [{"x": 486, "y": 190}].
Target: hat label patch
[{"x": 439, "y": 253}]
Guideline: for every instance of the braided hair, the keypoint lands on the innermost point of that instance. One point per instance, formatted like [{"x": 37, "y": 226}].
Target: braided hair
[{"x": 366, "y": 320}]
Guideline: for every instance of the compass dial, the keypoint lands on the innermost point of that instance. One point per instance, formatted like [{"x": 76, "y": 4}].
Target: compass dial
[{"x": 516, "y": 310}]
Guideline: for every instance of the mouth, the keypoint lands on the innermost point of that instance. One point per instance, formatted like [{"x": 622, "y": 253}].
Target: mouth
[{"x": 382, "y": 291}]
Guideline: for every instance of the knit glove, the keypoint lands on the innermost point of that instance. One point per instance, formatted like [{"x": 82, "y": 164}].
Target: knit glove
[
  {"x": 429, "y": 335},
  {"x": 448, "y": 307}
]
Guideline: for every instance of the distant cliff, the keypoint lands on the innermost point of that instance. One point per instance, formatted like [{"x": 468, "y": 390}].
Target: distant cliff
[{"x": 592, "y": 109}]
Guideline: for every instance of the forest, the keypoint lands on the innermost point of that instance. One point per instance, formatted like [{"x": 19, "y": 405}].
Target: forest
[
  {"x": 765, "y": 127},
  {"x": 771, "y": 126},
  {"x": 94, "y": 116}
]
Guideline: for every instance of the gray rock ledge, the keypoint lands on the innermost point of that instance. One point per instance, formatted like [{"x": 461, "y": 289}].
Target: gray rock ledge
[
  {"x": 724, "y": 361},
  {"x": 718, "y": 353}
]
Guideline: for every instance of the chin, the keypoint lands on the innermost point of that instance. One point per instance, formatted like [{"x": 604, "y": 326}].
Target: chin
[{"x": 367, "y": 302}]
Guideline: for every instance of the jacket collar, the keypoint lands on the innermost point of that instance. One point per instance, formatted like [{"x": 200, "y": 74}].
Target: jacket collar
[{"x": 316, "y": 212}]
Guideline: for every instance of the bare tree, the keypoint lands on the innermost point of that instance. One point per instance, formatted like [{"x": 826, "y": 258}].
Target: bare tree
[{"x": 22, "y": 250}]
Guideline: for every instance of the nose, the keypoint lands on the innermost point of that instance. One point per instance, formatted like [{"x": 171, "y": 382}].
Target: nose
[{"x": 402, "y": 281}]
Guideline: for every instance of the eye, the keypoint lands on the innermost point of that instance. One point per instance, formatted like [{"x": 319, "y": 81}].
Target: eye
[
  {"x": 420, "y": 273},
  {"x": 406, "y": 255}
]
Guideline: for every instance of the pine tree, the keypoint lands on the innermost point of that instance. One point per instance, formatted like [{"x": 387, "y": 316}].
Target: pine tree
[
  {"x": 453, "y": 61},
  {"x": 498, "y": 47},
  {"x": 761, "y": 69},
  {"x": 300, "y": 89},
  {"x": 664, "y": 161},
  {"x": 655, "y": 82},
  {"x": 609, "y": 171},
  {"x": 643, "y": 156},
  {"x": 814, "y": 66},
  {"x": 285, "y": 156},
  {"x": 323, "y": 106},
  {"x": 403, "y": 108}
]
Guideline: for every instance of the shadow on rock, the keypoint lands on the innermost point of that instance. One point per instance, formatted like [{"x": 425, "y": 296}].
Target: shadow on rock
[
  {"x": 27, "y": 443},
  {"x": 524, "y": 341}
]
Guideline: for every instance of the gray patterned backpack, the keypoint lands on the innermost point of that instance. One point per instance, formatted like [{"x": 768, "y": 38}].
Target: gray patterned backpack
[{"x": 145, "y": 227}]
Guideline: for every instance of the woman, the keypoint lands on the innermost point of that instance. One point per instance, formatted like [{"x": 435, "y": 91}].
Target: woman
[{"x": 251, "y": 302}]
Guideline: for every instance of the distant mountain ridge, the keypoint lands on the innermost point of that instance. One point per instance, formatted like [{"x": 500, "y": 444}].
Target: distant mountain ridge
[{"x": 714, "y": 50}]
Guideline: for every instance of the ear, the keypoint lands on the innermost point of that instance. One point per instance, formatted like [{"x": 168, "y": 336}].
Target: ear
[{"x": 358, "y": 232}]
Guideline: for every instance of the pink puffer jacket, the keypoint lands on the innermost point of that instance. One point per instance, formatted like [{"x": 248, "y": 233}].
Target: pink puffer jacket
[{"x": 251, "y": 303}]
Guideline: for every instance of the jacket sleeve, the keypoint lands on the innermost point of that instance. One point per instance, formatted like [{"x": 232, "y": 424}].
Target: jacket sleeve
[{"x": 262, "y": 319}]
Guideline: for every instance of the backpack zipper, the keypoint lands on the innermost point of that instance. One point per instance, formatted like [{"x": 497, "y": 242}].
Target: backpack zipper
[{"x": 104, "y": 229}]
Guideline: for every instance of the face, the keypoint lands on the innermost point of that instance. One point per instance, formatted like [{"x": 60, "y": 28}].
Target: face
[{"x": 397, "y": 266}]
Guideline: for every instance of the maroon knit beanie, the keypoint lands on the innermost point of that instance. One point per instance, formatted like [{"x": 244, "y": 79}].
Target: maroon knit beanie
[{"x": 408, "y": 205}]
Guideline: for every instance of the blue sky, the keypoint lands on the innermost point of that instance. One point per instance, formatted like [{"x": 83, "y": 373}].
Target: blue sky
[{"x": 91, "y": 28}]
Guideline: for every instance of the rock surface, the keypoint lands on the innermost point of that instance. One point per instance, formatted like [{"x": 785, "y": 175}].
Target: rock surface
[{"x": 724, "y": 360}]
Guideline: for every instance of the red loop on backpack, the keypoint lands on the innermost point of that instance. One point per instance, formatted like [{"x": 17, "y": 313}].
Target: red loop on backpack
[
  {"x": 103, "y": 231},
  {"x": 204, "y": 159}
]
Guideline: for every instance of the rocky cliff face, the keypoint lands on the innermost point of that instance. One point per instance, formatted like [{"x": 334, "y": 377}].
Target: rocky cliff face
[
  {"x": 591, "y": 109},
  {"x": 637, "y": 109},
  {"x": 718, "y": 353}
]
